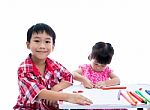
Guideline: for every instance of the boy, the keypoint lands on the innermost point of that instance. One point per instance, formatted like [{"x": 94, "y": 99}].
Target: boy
[{"x": 40, "y": 78}]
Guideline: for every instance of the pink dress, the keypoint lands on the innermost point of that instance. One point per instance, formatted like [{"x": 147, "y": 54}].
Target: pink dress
[{"x": 95, "y": 76}]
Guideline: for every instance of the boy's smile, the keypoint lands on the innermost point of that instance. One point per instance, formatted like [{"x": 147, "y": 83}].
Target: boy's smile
[{"x": 41, "y": 45}]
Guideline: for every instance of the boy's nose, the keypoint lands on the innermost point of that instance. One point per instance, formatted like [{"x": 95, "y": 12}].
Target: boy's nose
[{"x": 42, "y": 45}]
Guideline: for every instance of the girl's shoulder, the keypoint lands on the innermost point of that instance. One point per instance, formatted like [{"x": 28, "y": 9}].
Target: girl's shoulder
[
  {"x": 108, "y": 69},
  {"x": 84, "y": 66}
]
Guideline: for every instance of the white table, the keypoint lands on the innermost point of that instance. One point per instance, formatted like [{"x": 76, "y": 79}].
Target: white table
[{"x": 104, "y": 98}]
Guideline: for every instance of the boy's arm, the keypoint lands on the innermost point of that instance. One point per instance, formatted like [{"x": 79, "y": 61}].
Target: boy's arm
[
  {"x": 62, "y": 85},
  {"x": 56, "y": 96},
  {"x": 51, "y": 95}
]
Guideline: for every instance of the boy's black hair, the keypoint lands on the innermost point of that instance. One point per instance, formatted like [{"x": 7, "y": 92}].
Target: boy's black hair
[
  {"x": 40, "y": 28},
  {"x": 102, "y": 52}
]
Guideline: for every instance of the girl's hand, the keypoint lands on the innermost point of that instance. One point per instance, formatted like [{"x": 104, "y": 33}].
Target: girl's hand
[
  {"x": 87, "y": 83},
  {"x": 100, "y": 84},
  {"x": 79, "y": 99}
]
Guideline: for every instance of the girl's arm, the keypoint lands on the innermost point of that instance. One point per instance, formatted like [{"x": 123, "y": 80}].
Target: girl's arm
[
  {"x": 56, "y": 96},
  {"x": 77, "y": 75},
  {"x": 114, "y": 80}
]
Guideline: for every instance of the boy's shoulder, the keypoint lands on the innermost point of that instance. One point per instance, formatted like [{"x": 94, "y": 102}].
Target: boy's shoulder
[
  {"x": 26, "y": 62},
  {"x": 53, "y": 63}
]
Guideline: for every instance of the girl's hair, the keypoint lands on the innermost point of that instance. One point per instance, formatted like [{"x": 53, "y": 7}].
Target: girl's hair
[
  {"x": 40, "y": 28},
  {"x": 102, "y": 52}
]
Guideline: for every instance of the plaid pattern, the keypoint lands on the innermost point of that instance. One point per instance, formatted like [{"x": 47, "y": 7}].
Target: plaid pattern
[{"x": 31, "y": 82}]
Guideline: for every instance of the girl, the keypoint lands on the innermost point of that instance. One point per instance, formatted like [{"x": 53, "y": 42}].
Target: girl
[{"x": 98, "y": 73}]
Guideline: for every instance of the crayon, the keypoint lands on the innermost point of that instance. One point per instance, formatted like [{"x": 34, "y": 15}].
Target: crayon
[
  {"x": 146, "y": 99},
  {"x": 127, "y": 99},
  {"x": 119, "y": 94},
  {"x": 137, "y": 97},
  {"x": 131, "y": 97},
  {"x": 148, "y": 92},
  {"x": 80, "y": 91},
  {"x": 115, "y": 87}
]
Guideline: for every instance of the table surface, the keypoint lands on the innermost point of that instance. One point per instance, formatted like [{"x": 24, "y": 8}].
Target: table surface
[{"x": 104, "y": 98}]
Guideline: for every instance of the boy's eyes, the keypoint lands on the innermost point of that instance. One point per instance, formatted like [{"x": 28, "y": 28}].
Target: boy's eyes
[
  {"x": 39, "y": 41},
  {"x": 36, "y": 40},
  {"x": 48, "y": 41}
]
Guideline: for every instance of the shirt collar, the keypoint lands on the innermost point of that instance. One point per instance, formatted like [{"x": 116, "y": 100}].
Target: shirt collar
[{"x": 49, "y": 66}]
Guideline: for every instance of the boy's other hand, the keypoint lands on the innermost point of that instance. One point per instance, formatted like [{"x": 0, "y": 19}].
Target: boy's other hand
[{"x": 79, "y": 99}]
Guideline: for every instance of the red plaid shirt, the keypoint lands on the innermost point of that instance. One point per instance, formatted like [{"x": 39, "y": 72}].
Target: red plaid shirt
[{"x": 31, "y": 83}]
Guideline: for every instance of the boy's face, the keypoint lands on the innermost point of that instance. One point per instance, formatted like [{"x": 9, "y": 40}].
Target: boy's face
[
  {"x": 41, "y": 45},
  {"x": 97, "y": 66}
]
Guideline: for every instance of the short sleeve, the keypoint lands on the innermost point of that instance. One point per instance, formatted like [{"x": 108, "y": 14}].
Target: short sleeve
[
  {"x": 108, "y": 70},
  {"x": 60, "y": 72},
  {"x": 65, "y": 74},
  {"x": 84, "y": 68}
]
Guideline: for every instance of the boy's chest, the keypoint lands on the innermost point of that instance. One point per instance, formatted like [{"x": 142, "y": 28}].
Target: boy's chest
[
  {"x": 41, "y": 69},
  {"x": 49, "y": 78}
]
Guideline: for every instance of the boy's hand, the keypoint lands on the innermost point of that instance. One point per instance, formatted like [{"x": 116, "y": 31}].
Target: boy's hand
[
  {"x": 79, "y": 99},
  {"x": 51, "y": 104}
]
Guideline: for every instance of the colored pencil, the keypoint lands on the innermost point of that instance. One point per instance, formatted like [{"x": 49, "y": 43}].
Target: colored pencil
[
  {"x": 131, "y": 97},
  {"x": 115, "y": 87},
  {"x": 138, "y": 92},
  {"x": 137, "y": 97},
  {"x": 127, "y": 99}
]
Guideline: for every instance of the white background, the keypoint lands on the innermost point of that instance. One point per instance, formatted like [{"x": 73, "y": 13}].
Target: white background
[{"x": 78, "y": 25}]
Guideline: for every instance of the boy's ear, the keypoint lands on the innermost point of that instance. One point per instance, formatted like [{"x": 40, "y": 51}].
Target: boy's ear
[
  {"x": 28, "y": 45},
  {"x": 53, "y": 48}
]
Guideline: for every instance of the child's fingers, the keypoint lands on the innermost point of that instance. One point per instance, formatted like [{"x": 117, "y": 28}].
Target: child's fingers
[
  {"x": 98, "y": 86},
  {"x": 80, "y": 99},
  {"x": 86, "y": 102},
  {"x": 89, "y": 86}
]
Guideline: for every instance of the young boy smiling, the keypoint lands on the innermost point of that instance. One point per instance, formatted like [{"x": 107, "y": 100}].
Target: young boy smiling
[{"x": 40, "y": 78}]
